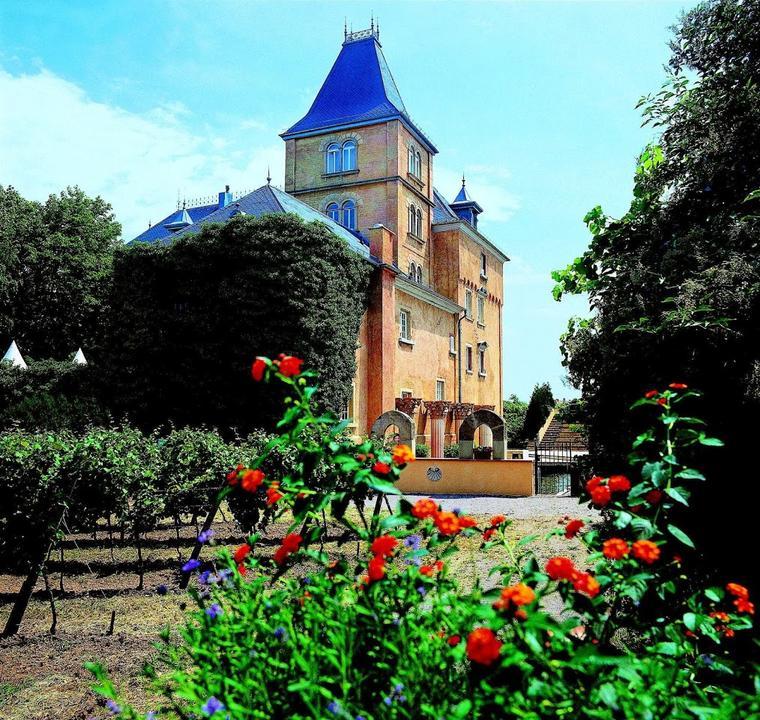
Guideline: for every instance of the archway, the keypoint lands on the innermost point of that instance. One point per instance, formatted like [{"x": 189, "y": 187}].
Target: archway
[
  {"x": 403, "y": 423},
  {"x": 472, "y": 422}
]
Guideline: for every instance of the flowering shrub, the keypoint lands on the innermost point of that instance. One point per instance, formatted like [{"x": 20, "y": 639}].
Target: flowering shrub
[{"x": 390, "y": 634}]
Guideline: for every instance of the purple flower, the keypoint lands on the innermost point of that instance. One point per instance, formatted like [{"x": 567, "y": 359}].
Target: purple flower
[
  {"x": 334, "y": 707},
  {"x": 191, "y": 565},
  {"x": 113, "y": 706},
  {"x": 214, "y": 611},
  {"x": 205, "y": 536},
  {"x": 413, "y": 542},
  {"x": 399, "y": 687},
  {"x": 151, "y": 716},
  {"x": 360, "y": 717},
  {"x": 205, "y": 577},
  {"x": 280, "y": 633},
  {"x": 388, "y": 701},
  {"x": 212, "y": 705},
  {"x": 162, "y": 589},
  {"x": 421, "y": 590}
]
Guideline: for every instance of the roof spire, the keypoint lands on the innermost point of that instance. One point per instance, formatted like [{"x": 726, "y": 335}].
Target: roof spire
[
  {"x": 463, "y": 180},
  {"x": 269, "y": 176},
  {"x": 345, "y": 28}
]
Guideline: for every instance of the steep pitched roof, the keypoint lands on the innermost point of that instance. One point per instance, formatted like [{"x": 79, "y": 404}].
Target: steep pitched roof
[
  {"x": 441, "y": 210},
  {"x": 359, "y": 90},
  {"x": 159, "y": 231}
]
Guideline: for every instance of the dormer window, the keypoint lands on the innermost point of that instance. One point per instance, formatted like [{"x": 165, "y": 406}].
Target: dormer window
[
  {"x": 332, "y": 160},
  {"x": 349, "y": 214},
  {"x": 349, "y": 155},
  {"x": 333, "y": 212}
]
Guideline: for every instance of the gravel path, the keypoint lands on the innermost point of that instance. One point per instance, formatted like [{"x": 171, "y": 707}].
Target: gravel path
[{"x": 521, "y": 507}]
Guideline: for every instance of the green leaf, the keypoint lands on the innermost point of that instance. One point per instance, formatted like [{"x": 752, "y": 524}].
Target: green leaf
[
  {"x": 462, "y": 709},
  {"x": 711, "y": 441},
  {"x": 690, "y": 620},
  {"x": 680, "y": 535},
  {"x": 690, "y": 474},
  {"x": 676, "y": 495},
  {"x": 666, "y": 648}
]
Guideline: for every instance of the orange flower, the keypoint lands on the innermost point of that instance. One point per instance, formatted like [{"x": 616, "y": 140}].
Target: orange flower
[
  {"x": 467, "y": 522},
  {"x": 619, "y": 483},
  {"x": 515, "y": 595},
  {"x": 744, "y": 606},
  {"x": 559, "y": 568},
  {"x": 273, "y": 493},
  {"x": 738, "y": 590},
  {"x": 587, "y": 584},
  {"x": 573, "y": 528},
  {"x": 719, "y": 615},
  {"x": 601, "y": 495},
  {"x": 428, "y": 570},
  {"x": 252, "y": 480},
  {"x": 381, "y": 468},
  {"x": 402, "y": 454},
  {"x": 376, "y": 568},
  {"x": 446, "y": 522},
  {"x": 424, "y": 508},
  {"x": 241, "y": 553},
  {"x": 482, "y": 646},
  {"x": 258, "y": 368},
  {"x": 595, "y": 482},
  {"x": 384, "y": 545},
  {"x": 654, "y": 497},
  {"x": 498, "y": 520},
  {"x": 290, "y": 366},
  {"x": 646, "y": 550},
  {"x": 615, "y": 548},
  {"x": 649, "y": 394},
  {"x": 678, "y": 386}
]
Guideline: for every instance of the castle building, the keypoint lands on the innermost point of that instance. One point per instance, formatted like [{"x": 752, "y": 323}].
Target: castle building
[{"x": 430, "y": 343}]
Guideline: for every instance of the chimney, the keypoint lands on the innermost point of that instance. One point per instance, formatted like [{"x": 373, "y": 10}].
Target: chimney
[{"x": 225, "y": 198}]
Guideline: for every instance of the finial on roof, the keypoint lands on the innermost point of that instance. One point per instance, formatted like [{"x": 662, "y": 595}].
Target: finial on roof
[
  {"x": 463, "y": 180},
  {"x": 269, "y": 176},
  {"x": 345, "y": 28},
  {"x": 372, "y": 22}
]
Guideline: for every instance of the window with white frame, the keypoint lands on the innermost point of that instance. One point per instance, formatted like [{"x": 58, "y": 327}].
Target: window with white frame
[
  {"x": 347, "y": 411},
  {"x": 468, "y": 358},
  {"x": 332, "y": 158},
  {"x": 418, "y": 165},
  {"x": 349, "y": 214},
  {"x": 405, "y": 326},
  {"x": 483, "y": 265},
  {"x": 411, "y": 160},
  {"x": 418, "y": 225},
  {"x": 440, "y": 389},
  {"x": 481, "y": 310},
  {"x": 333, "y": 211},
  {"x": 468, "y": 304},
  {"x": 452, "y": 345},
  {"x": 349, "y": 155},
  {"x": 419, "y": 274},
  {"x": 340, "y": 158},
  {"x": 481, "y": 360}
]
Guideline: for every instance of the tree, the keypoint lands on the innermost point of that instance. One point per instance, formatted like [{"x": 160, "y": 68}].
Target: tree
[
  {"x": 55, "y": 270},
  {"x": 540, "y": 405},
  {"x": 189, "y": 318},
  {"x": 514, "y": 417},
  {"x": 675, "y": 282}
]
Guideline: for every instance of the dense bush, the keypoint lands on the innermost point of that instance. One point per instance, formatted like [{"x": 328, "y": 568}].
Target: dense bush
[
  {"x": 450, "y": 451},
  {"x": 391, "y": 634},
  {"x": 422, "y": 450}
]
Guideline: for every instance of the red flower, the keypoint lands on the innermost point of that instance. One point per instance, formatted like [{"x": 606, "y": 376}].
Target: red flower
[
  {"x": 447, "y": 523},
  {"x": 290, "y": 365},
  {"x": 662, "y": 401},
  {"x": 649, "y": 394},
  {"x": 381, "y": 468},
  {"x": 559, "y": 568},
  {"x": 573, "y": 528},
  {"x": 482, "y": 646},
  {"x": 619, "y": 483},
  {"x": 615, "y": 548},
  {"x": 738, "y": 590},
  {"x": 515, "y": 595},
  {"x": 601, "y": 495},
  {"x": 280, "y": 555},
  {"x": 242, "y": 569},
  {"x": 498, "y": 520},
  {"x": 233, "y": 475},
  {"x": 467, "y": 522},
  {"x": 384, "y": 545},
  {"x": 488, "y": 534},
  {"x": 402, "y": 454},
  {"x": 241, "y": 553},
  {"x": 646, "y": 551},
  {"x": 595, "y": 482},
  {"x": 292, "y": 542},
  {"x": 654, "y": 497},
  {"x": 273, "y": 493},
  {"x": 376, "y": 568},
  {"x": 424, "y": 508},
  {"x": 744, "y": 606},
  {"x": 587, "y": 584},
  {"x": 252, "y": 480},
  {"x": 454, "y": 640},
  {"x": 258, "y": 368},
  {"x": 678, "y": 386}
]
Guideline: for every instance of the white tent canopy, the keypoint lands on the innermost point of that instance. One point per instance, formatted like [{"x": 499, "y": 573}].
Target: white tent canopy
[
  {"x": 79, "y": 358},
  {"x": 13, "y": 356}
]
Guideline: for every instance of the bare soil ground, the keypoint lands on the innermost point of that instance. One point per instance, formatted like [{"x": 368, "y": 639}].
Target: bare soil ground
[{"x": 42, "y": 676}]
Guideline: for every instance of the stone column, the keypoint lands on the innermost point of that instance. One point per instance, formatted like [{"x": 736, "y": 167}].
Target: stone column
[
  {"x": 381, "y": 327},
  {"x": 461, "y": 411},
  {"x": 437, "y": 411}
]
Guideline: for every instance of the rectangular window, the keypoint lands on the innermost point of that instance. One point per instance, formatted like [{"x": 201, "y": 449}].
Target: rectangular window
[
  {"x": 481, "y": 361},
  {"x": 452, "y": 345},
  {"x": 406, "y": 393},
  {"x": 483, "y": 265},
  {"x": 347, "y": 411},
  {"x": 468, "y": 355},
  {"x": 440, "y": 390},
  {"x": 404, "y": 322},
  {"x": 481, "y": 310},
  {"x": 468, "y": 304}
]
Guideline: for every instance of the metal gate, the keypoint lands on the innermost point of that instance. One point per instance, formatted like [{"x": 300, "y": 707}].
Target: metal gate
[{"x": 553, "y": 468}]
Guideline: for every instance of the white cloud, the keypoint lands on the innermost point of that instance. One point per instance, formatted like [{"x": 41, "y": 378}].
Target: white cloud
[
  {"x": 486, "y": 183},
  {"x": 53, "y": 135}
]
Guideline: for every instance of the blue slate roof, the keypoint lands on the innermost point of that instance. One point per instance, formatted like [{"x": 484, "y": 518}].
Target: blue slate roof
[
  {"x": 160, "y": 232},
  {"x": 441, "y": 210},
  {"x": 359, "y": 90}
]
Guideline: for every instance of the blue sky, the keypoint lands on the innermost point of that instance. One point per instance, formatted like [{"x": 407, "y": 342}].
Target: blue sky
[{"x": 141, "y": 101}]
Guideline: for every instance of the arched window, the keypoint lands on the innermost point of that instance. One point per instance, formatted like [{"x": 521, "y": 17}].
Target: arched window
[
  {"x": 411, "y": 160},
  {"x": 418, "y": 165},
  {"x": 332, "y": 158},
  {"x": 349, "y": 155},
  {"x": 419, "y": 223},
  {"x": 412, "y": 220},
  {"x": 333, "y": 211},
  {"x": 412, "y": 271},
  {"x": 349, "y": 214},
  {"x": 419, "y": 274}
]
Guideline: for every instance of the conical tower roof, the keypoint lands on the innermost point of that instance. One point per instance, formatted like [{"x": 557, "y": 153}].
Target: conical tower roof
[
  {"x": 13, "y": 356},
  {"x": 79, "y": 358}
]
